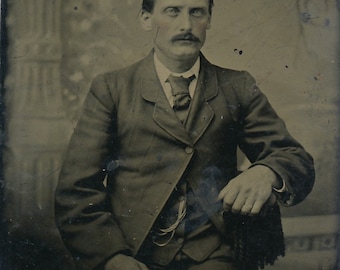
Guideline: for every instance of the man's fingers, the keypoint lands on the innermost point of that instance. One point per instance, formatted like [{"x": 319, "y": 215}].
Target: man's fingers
[
  {"x": 246, "y": 208},
  {"x": 222, "y": 193},
  {"x": 142, "y": 266},
  {"x": 227, "y": 207},
  {"x": 246, "y": 197},
  {"x": 238, "y": 203},
  {"x": 229, "y": 200},
  {"x": 257, "y": 207},
  {"x": 228, "y": 195}
]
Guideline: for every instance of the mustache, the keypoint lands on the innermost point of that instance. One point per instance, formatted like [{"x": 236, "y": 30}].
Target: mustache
[{"x": 187, "y": 36}]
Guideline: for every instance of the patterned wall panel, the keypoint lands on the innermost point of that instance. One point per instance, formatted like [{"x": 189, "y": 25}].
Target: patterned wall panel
[
  {"x": 34, "y": 101},
  {"x": 37, "y": 130}
]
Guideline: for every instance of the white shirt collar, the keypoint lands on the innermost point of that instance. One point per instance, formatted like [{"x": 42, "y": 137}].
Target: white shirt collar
[{"x": 163, "y": 72}]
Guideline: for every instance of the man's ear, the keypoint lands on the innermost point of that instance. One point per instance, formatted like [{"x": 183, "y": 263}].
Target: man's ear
[{"x": 146, "y": 20}]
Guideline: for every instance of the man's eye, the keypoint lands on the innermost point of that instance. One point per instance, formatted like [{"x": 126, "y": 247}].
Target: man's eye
[
  {"x": 172, "y": 11},
  {"x": 198, "y": 12}
]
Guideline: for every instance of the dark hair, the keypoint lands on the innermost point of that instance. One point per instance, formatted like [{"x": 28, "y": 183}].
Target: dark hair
[{"x": 147, "y": 5}]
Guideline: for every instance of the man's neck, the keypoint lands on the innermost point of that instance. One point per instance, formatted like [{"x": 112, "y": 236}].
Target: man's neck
[{"x": 177, "y": 65}]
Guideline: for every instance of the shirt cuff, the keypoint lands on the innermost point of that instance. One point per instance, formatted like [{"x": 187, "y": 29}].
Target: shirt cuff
[{"x": 283, "y": 194}]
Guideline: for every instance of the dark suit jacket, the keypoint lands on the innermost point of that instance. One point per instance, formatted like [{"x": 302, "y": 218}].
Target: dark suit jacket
[{"x": 129, "y": 133}]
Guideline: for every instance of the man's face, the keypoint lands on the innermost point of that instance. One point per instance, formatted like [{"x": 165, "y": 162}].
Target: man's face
[{"x": 179, "y": 28}]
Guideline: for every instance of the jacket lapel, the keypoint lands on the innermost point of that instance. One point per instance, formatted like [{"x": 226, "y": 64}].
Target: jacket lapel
[
  {"x": 163, "y": 114},
  {"x": 201, "y": 113}
]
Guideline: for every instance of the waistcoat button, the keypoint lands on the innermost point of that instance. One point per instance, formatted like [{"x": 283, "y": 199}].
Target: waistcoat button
[
  {"x": 189, "y": 150},
  {"x": 180, "y": 240}
]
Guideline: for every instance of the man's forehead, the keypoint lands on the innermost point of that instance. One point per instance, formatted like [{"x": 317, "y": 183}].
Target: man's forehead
[{"x": 199, "y": 3}]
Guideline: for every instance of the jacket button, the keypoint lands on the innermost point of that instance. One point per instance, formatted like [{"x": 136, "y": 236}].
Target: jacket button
[
  {"x": 189, "y": 150},
  {"x": 180, "y": 240}
]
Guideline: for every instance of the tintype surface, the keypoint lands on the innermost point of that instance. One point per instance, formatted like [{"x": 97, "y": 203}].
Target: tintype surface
[{"x": 55, "y": 48}]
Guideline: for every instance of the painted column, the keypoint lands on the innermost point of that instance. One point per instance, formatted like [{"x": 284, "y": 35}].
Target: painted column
[{"x": 37, "y": 126}]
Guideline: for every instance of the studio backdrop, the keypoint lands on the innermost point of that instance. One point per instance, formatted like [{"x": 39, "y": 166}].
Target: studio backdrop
[{"x": 56, "y": 47}]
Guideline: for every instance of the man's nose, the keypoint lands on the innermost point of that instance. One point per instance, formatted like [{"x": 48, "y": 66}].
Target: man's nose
[{"x": 185, "y": 23}]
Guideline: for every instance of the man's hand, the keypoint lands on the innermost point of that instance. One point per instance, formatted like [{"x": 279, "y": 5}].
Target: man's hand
[
  {"x": 250, "y": 191},
  {"x": 124, "y": 262}
]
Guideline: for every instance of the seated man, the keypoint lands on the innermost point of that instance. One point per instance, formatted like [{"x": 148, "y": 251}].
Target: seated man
[{"x": 150, "y": 177}]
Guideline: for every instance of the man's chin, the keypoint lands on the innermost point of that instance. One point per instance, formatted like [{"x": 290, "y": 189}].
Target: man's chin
[{"x": 186, "y": 52}]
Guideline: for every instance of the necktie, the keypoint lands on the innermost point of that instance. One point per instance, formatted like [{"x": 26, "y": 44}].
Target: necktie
[{"x": 181, "y": 95}]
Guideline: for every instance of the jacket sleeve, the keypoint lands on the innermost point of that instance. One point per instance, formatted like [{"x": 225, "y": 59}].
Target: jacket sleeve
[
  {"x": 264, "y": 138},
  {"x": 82, "y": 207}
]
